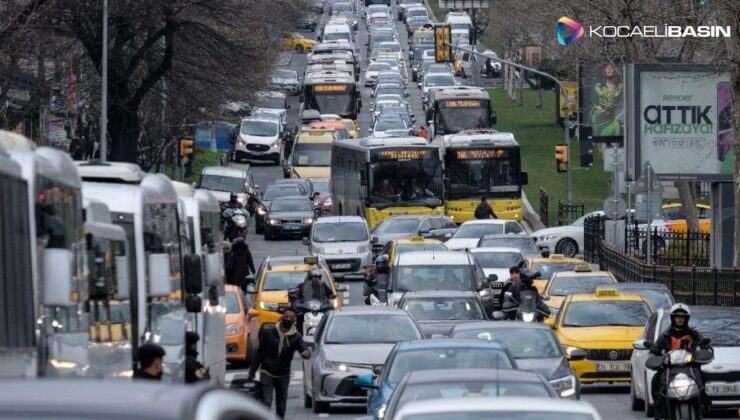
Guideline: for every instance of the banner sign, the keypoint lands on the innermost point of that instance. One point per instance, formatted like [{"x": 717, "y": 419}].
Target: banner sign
[{"x": 601, "y": 89}]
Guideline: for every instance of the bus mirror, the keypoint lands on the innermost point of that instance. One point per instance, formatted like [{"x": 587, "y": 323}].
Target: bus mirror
[
  {"x": 494, "y": 119},
  {"x": 193, "y": 274},
  {"x": 524, "y": 178},
  {"x": 193, "y": 304},
  {"x": 160, "y": 284},
  {"x": 57, "y": 277},
  {"x": 122, "y": 278},
  {"x": 214, "y": 272}
]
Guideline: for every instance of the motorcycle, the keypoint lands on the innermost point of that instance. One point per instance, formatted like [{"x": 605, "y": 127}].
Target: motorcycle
[
  {"x": 311, "y": 312},
  {"x": 683, "y": 393},
  {"x": 528, "y": 310},
  {"x": 375, "y": 301},
  {"x": 235, "y": 222}
]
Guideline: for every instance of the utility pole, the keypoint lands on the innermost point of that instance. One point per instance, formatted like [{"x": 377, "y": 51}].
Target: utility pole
[
  {"x": 104, "y": 89},
  {"x": 568, "y": 124}
]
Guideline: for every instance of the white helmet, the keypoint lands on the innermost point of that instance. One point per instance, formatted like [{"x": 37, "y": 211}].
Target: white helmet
[{"x": 680, "y": 309}]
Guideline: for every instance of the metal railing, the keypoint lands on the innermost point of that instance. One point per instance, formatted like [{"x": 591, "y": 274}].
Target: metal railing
[
  {"x": 544, "y": 203},
  {"x": 567, "y": 213}
]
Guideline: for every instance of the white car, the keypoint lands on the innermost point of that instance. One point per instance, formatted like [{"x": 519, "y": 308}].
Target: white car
[
  {"x": 372, "y": 71},
  {"x": 722, "y": 326},
  {"x": 497, "y": 260},
  {"x": 275, "y": 103},
  {"x": 503, "y": 407},
  {"x": 566, "y": 240},
  {"x": 470, "y": 232},
  {"x": 436, "y": 81},
  {"x": 259, "y": 139},
  {"x": 343, "y": 242}
]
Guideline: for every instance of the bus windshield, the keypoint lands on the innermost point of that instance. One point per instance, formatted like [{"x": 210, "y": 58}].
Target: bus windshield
[
  {"x": 454, "y": 116},
  {"x": 399, "y": 178},
  {"x": 476, "y": 172},
  {"x": 312, "y": 154},
  {"x": 332, "y": 99}
]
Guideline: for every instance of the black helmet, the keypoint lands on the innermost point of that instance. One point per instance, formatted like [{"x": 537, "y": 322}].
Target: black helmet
[
  {"x": 677, "y": 310},
  {"x": 233, "y": 196}
]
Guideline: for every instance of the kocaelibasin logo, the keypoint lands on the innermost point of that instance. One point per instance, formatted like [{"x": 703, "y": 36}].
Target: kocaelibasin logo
[
  {"x": 578, "y": 30},
  {"x": 623, "y": 31}
]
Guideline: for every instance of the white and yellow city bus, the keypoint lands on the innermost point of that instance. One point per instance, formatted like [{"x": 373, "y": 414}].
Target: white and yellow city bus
[
  {"x": 482, "y": 163},
  {"x": 455, "y": 109},
  {"x": 378, "y": 177}
]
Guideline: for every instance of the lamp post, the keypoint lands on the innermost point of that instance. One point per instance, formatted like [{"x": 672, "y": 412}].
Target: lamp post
[{"x": 104, "y": 88}]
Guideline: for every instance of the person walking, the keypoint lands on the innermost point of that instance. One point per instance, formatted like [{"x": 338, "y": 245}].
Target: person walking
[
  {"x": 240, "y": 264},
  {"x": 151, "y": 362},
  {"x": 484, "y": 210},
  {"x": 274, "y": 357}
]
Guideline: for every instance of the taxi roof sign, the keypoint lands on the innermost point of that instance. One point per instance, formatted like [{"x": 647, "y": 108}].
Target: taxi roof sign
[
  {"x": 582, "y": 268},
  {"x": 417, "y": 238},
  {"x": 311, "y": 260},
  {"x": 606, "y": 291},
  {"x": 557, "y": 256}
]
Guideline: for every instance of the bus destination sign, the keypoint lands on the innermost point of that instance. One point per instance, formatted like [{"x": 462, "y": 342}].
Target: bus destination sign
[
  {"x": 462, "y": 103},
  {"x": 330, "y": 88},
  {"x": 466, "y": 154},
  {"x": 408, "y": 154}
]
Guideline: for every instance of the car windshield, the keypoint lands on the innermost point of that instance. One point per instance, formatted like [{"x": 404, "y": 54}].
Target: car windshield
[
  {"x": 341, "y": 7},
  {"x": 259, "y": 128},
  {"x": 416, "y": 12},
  {"x": 291, "y": 205},
  {"x": 390, "y": 124},
  {"x": 391, "y": 62},
  {"x": 390, "y": 46},
  {"x": 371, "y": 328},
  {"x": 339, "y": 232},
  {"x": 422, "y": 278},
  {"x": 232, "y": 304},
  {"x": 446, "y": 358},
  {"x": 389, "y": 90},
  {"x": 337, "y": 36},
  {"x": 401, "y": 249},
  {"x": 438, "y": 309},
  {"x": 470, "y": 389},
  {"x": 321, "y": 186},
  {"x": 285, "y": 74},
  {"x": 720, "y": 326},
  {"x": 312, "y": 154},
  {"x": 287, "y": 280},
  {"x": 606, "y": 312},
  {"x": 221, "y": 183},
  {"x": 526, "y": 244},
  {"x": 564, "y": 286},
  {"x": 378, "y": 67},
  {"x": 396, "y": 226},
  {"x": 658, "y": 298},
  {"x": 498, "y": 259},
  {"x": 477, "y": 230},
  {"x": 272, "y": 193},
  {"x": 439, "y": 80},
  {"x": 274, "y": 102},
  {"x": 483, "y": 414},
  {"x": 546, "y": 269},
  {"x": 523, "y": 343}
]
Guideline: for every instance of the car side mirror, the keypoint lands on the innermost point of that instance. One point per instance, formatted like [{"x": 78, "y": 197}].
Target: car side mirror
[
  {"x": 193, "y": 304},
  {"x": 309, "y": 340},
  {"x": 251, "y": 288},
  {"x": 577, "y": 354},
  {"x": 492, "y": 277},
  {"x": 639, "y": 345},
  {"x": 482, "y": 285},
  {"x": 193, "y": 272},
  {"x": 704, "y": 342},
  {"x": 494, "y": 119},
  {"x": 374, "y": 240},
  {"x": 365, "y": 381},
  {"x": 306, "y": 241},
  {"x": 647, "y": 344},
  {"x": 524, "y": 178}
]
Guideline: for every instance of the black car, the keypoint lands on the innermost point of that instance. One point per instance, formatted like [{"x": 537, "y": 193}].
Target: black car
[
  {"x": 289, "y": 216},
  {"x": 439, "y": 311},
  {"x": 272, "y": 192},
  {"x": 404, "y": 227}
]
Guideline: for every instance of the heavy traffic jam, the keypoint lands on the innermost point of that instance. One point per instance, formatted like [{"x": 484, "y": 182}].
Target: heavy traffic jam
[{"x": 383, "y": 268}]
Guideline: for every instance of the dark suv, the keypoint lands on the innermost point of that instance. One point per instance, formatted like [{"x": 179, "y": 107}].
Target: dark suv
[{"x": 406, "y": 226}]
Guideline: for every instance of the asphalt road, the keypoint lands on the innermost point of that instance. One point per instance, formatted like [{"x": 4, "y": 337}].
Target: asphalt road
[{"x": 612, "y": 401}]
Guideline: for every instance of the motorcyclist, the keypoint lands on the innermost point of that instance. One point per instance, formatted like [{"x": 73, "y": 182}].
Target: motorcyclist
[
  {"x": 233, "y": 202},
  {"x": 678, "y": 336},
  {"x": 527, "y": 284},
  {"x": 313, "y": 288},
  {"x": 508, "y": 306},
  {"x": 377, "y": 279}
]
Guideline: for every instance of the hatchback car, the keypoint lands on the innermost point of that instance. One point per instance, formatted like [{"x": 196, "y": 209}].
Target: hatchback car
[
  {"x": 286, "y": 80},
  {"x": 344, "y": 242},
  {"x": 349, "y": 343},
  {"x": 437, "y": 312},
  {"x": 289, "y": 216}
]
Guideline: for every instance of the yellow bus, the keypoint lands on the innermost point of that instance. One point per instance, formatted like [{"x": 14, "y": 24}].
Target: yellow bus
[
  {"x": 378, "y": 177},
  {"x": 482, "y": 163}
]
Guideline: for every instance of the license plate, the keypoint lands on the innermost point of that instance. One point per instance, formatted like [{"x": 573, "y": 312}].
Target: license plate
[
  {"x": 496, "y": 285},
  {"x": 723, "y": 389},
  {"x": 612, "y": 367},
  {"x": 291, "y": 227},
  {"x": 341, "y": 266}
]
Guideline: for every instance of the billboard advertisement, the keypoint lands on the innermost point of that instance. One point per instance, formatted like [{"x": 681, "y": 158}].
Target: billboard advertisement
[
  {"x": 601, "y": 90},
  {"x": 683, "y": 121}
]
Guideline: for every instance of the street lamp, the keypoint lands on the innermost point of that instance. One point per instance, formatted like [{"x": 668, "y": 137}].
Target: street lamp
[{"x": 104, "y": 88}]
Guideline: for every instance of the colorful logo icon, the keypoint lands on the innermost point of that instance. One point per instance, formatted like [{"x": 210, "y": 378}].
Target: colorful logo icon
[{"x": 578, "y": 30}]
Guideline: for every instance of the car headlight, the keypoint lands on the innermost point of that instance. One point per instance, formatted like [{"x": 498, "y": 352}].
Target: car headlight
[
  {"x": 362, "y": 248},
  {"x": 547, "y": 237},
  {"x": 565, "y": 387},
  {"x": 329, "y": 365},
  {"x": 528, "y": 317},
  {"x": 273, "y": 221},
  {"x": 275, "y": 145},
  {"x": 485, "y": 292},
  {"x": 261, "y": 211},
  {"x": 242, "y": 142},
  {"x": 317, "y": 249},
  {"x": 233, "y": 329},
  {"x": 309, "y": 220},
  {"x": 270, "y": 306},
  {"x": 380, "y": 412},
  {"x": 328, "y": 202}
]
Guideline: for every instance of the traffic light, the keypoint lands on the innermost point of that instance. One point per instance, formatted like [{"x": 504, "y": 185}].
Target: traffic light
[
  {"x": 442, "y": 44},
  {"x": 561, "y": 157},
  {"x": 186, "y": 147}
]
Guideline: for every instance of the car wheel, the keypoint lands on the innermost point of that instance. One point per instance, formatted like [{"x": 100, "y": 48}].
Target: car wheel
[
  {"x": 649, "y": 408},
  {"x": 636, "y": 404},
  {"x": 299, "y": 49},
  {"x": 567, "y": 247},
  {"x": 321, "y": 407}
]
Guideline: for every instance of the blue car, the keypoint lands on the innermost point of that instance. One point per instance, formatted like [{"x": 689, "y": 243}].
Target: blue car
[{"x": 430, "y": 354}]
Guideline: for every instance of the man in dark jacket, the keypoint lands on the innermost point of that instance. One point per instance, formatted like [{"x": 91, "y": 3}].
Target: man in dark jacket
[
  {"x": 377, "y": 279},
  {"x": 508, "y": 306},
  {"x": 194, "y": 370},
  {"x": 484, "y": 211},
  {"x": 239, "y": 263},
  {"x": 151, "y": 362},
  {"x": 274, "y": 357}
]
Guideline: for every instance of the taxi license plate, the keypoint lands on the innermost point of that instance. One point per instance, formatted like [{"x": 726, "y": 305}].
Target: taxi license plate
[
  {"x": 723, "y": 389},
  {"x": 341, "y": 266},
  {"x": 612, "y": 367},
  {"x": 291, "y": 227}
]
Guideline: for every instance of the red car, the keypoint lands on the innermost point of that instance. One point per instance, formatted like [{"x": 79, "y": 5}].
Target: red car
[{"x": 323, "y": 187}]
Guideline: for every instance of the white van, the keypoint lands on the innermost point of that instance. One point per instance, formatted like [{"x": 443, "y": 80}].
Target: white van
[
  {"x": 337, "y": 32},
  {"x": 458, "y": 20},
  {"x": 259, "y": 139}
]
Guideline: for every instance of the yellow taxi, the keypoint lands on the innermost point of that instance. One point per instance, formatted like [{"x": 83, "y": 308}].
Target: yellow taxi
[
  {"x": 270, "y": 289},
  {"x": 676, "y": 218},
  {"x": 298, "y": 43},
  {"x": 596, "y": 331},
  {"x": 581, "y": 280},
  {"x": 553, "y": 264},
  {"x": 415, "y": 243},
  {"x": 354, "y": 131},
  {"x": 237, "y": 327}
]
